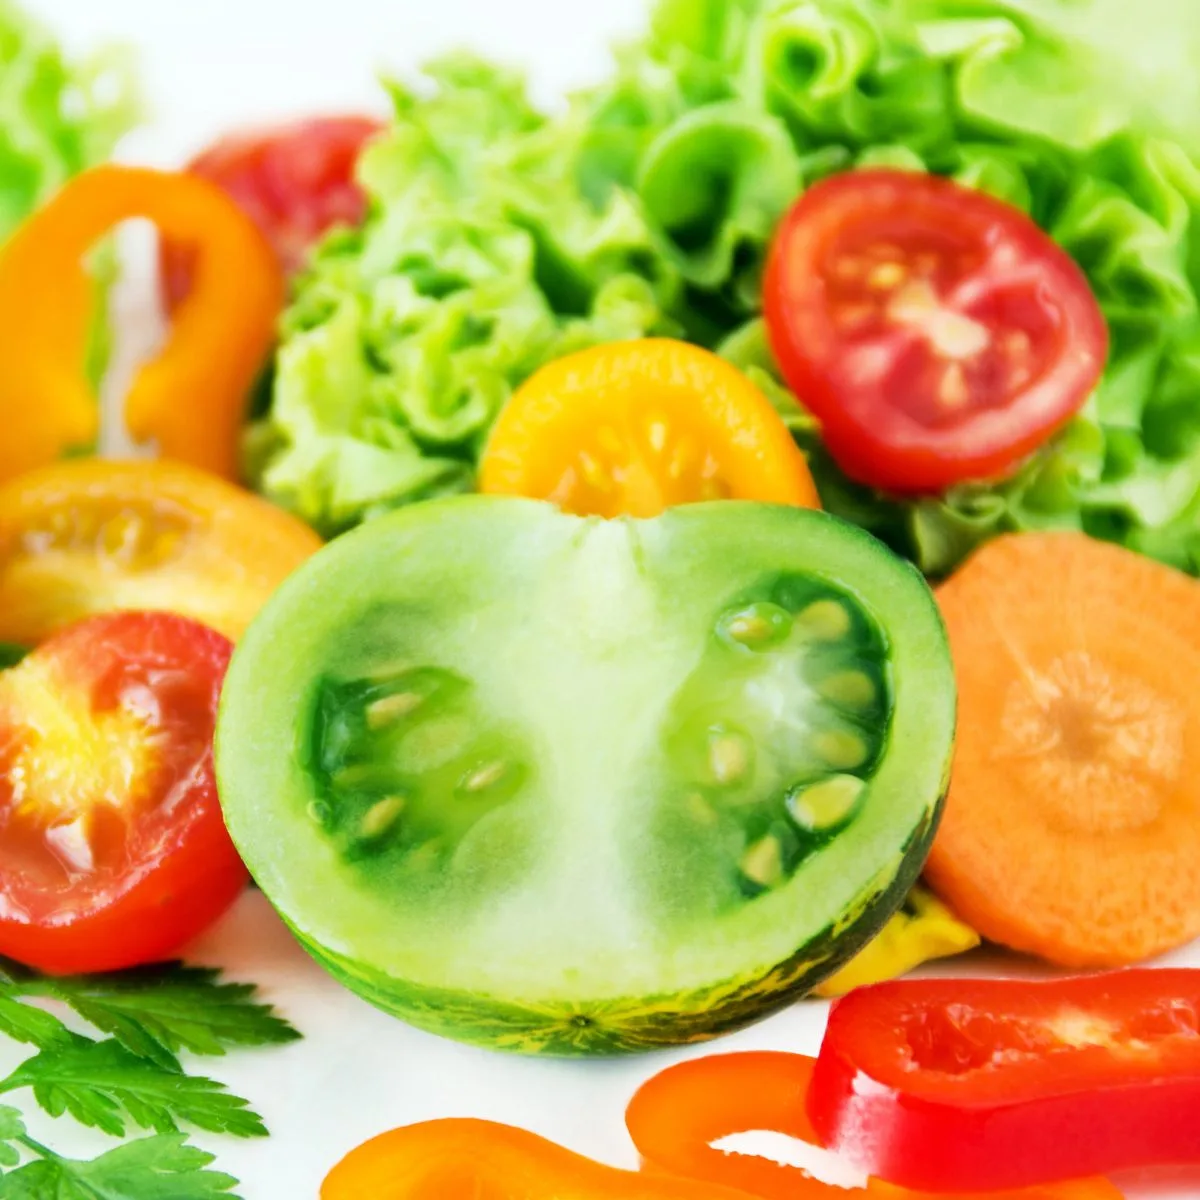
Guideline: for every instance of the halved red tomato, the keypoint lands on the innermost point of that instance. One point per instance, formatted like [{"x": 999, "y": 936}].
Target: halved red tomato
[
  {"x": 296, "y": 181},
  {"x": 936, "y": 333},
  {"x": 113, "y": 851}
]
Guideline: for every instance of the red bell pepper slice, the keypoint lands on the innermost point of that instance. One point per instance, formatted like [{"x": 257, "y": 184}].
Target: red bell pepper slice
[
  {"x": 961, "y": 1084},
  {"x": 677, "y": 1115}
]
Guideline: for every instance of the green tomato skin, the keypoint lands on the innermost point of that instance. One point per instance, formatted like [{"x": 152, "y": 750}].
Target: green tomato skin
[
  {"x": 608, "y": 1028},
  {"x": 568, "y": 875}
]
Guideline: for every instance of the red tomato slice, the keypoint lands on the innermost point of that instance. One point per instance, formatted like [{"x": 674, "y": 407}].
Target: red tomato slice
[
  {"x": 296, "y": 181},
  {"x": 113, "y": 851},
  {"x": 952, "y": 1084},
  {"x": 938, "y": 334}
]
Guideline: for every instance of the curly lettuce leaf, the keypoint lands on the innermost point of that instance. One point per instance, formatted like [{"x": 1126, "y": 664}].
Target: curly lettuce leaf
[
  {"x": 483, "y": 259},
  {"x": 57, "y": 117},
  {"x": 1103, "y": 161},
  {"x": 1075, "y": 72},
  {"x": 501, "y": 238}
]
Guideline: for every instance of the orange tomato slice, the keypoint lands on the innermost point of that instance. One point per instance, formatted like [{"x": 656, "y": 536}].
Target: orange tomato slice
[
  {"x": 86, "y": 536},
  {"x": 635, "y": 427}
]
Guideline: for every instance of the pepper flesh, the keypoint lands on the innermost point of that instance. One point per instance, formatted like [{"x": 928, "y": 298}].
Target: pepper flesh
[
  {"x": 677, "y": 1116},
  {"x": 191, "y": 398},
  {"x": 984, "y": 1084},
  {"x": 923, "y": 930},
  {"x": 455, "y": 1159}
]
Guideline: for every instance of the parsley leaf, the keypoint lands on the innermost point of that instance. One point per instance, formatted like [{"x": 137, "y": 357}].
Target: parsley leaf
[
  {"x": 98, "y": 1082},
  {"x": 157, "y": 1011},
  {"x": 165, "y": 1167},
  {"x": 24, "y": 1023},
  {"x": 131, "y": 1078},
  {"x": 12, "y": 1129}
]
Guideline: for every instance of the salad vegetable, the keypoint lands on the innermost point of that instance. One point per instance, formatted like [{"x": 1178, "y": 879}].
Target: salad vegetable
[
  {"x": 481, "y": 261},
  {"x": 642, "y": 745},
  {"x": 112, "y": 848},
  {"x": 923, "y": 929},
  {"x": 500, "y": 239},
  {"x": 85, "y": 537},
  {"x": 191, "y": 399},
  {"x": 636, "y": 427},
  {"x": 987, "y": 1084},
  {"x": 296, "y": 181},
  {"x": 133, "y": 1077},
  {"x": 616, "y": 785},
  {"x": 452, "y": 1158},
  {"x": 678, "y": 1115},
  {"x": 1073, "y": 823},
  {"x": 59, "y": 116},
  {"x": 639, "y": 426},
  {"x": 936, "y": 333},
  {"x": 141, "y": 1168}
]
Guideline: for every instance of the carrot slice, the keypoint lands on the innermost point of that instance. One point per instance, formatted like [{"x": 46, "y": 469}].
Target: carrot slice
[{"x": 1072, "y": 830}]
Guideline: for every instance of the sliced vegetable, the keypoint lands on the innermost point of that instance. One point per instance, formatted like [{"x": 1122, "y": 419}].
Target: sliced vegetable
[
  {"x": 458, "y": 1158},
  {"x": 675, "y": 1119},
  {"x": 112, "y": 848},
  {"x": 1078, "y": 745},
  {"x": 936, "y": 333},
  {"x": 499, "y": 239},
  {"x": 633, "y": 428},
  {"x": 558, "y": 784},
  {"x": 86, "y": 537},
  {"x": 191, "y": 399},
  {"x": 481, "y": 260},
  {"x": 295, "y": 181},
  {"x": 952, "y": 1084},
  {"x": 636, "y": 427},
  {"x": 60, "y": 115},
  {"x": 923, "y": 929},
  {"x": 676, "y": 1116}
]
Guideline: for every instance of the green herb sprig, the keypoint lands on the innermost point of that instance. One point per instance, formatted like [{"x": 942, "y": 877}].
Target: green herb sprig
[{"x": 131, "y": 1077}]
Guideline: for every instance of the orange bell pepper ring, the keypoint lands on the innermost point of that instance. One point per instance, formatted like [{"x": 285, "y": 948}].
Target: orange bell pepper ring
[
  {"x": 634, "y": 427},
  {"x": 191, "y": 399},
  {"x": 457, "y": 1159},
  {"x": 677, "y": 1116}
]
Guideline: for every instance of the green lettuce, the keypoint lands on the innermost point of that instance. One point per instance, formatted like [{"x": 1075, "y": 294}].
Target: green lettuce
[
  {"x": 484, "y": 259},
  {"x": 58, "y": 117},
  {"x": 500, "y": 238}
]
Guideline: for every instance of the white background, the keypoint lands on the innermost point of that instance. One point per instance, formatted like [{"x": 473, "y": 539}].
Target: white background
[{"x": 213, "y": 65}]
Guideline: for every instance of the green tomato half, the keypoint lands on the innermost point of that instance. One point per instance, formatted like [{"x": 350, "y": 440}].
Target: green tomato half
[{"x": 567, "y": 785}]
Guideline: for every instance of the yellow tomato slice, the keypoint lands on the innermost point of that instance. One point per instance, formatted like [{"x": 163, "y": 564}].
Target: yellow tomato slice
[
  {"x": 87, "y": 536},
  {"x": 637, "y": 427}
]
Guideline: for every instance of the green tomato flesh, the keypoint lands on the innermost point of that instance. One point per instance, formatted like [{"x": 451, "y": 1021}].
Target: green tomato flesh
[{"x": 571, "y": 785}]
